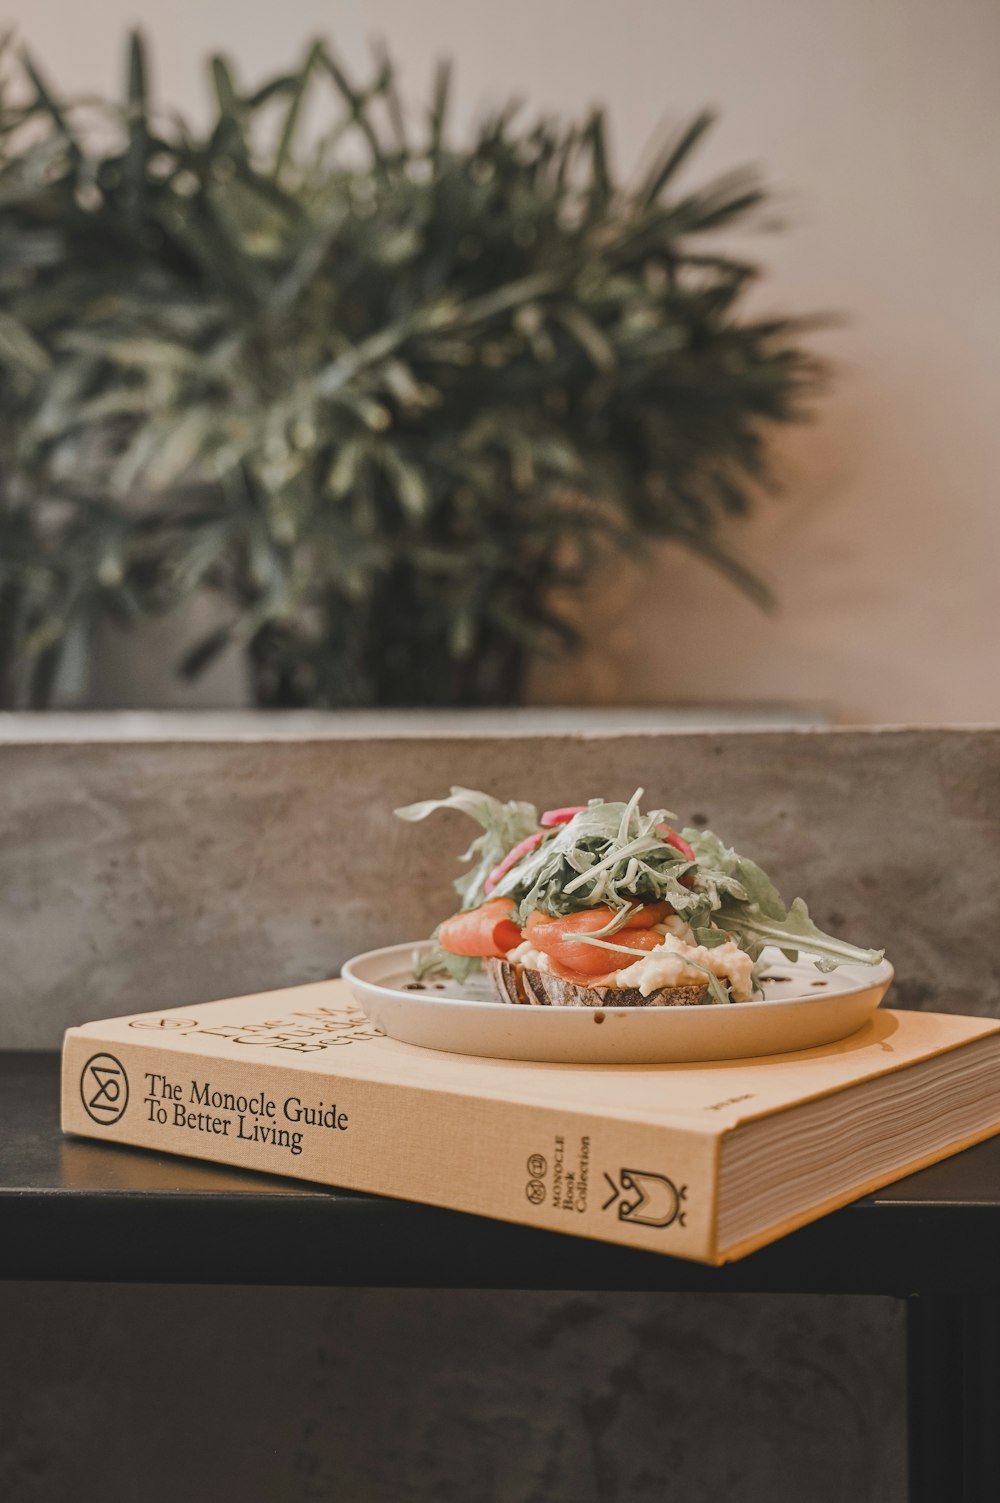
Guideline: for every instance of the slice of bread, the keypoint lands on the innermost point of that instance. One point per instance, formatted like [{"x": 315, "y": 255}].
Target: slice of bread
[{"x": 515, "y": 983}]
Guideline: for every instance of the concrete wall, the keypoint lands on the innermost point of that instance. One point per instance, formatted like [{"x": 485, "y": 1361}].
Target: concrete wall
[{"x": 878, "y": 124}]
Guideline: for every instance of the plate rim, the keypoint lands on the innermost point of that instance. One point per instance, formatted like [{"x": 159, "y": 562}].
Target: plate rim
[{"x": 883, "y": 972}]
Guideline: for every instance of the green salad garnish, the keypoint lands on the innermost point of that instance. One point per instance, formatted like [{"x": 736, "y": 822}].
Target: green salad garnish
[{"x": 614, "y": 855}]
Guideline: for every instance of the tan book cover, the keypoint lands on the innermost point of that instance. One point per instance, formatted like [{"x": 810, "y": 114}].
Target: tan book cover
[{"x": 702, "y": 1161}]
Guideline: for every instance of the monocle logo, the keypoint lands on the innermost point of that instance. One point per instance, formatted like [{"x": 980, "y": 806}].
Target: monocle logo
[
  {"x": 646, "y": 1199},
  {"x": 535, "y": 1188},
  {"x": 104, "y": 1089}
]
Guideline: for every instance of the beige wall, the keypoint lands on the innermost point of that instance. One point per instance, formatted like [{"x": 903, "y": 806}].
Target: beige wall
[{"x": 879, "y": 120}]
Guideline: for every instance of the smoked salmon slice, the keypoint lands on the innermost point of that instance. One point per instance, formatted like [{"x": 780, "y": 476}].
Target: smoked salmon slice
[
  {"x": 558, "y": 938},
  {"x": 486, "y": 931}
]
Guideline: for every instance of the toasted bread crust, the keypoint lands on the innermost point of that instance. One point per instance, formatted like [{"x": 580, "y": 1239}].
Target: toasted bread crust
[{"x": 515, "y": 983}]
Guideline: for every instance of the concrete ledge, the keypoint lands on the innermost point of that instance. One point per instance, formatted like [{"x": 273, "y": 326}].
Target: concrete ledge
[{"x": 310, "y": 725}]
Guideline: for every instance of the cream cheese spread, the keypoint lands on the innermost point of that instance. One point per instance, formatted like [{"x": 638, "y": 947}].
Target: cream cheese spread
[
  {"x": 669, "y": 965},
  {"x": 528, "y": 956}
]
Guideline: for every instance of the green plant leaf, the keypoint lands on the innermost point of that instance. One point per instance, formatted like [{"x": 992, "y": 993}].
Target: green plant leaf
[
  {"x": 19, "y": 349},
  {"x": 46, "y": 102},
  {"x": 673, "y": 156},
  {"x": 226, "y": 94},
  {"x": 394, "y": 397},
  {"x": 297, "y": 90},
  {"x": 438, "y": 118}
]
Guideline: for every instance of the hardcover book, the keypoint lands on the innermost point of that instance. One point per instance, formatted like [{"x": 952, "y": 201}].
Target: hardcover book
[{"x": 702, "y": 1161}]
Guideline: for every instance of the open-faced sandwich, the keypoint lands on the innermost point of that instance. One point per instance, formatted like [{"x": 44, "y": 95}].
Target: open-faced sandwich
[{"x": 601, "y": 905}]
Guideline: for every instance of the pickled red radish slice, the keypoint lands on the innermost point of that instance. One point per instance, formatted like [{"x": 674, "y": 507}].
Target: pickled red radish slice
[
  {"x": 553, "y": 817},
  {"x": 678, "y": 842},
  {"x": 511, "y": 859}
]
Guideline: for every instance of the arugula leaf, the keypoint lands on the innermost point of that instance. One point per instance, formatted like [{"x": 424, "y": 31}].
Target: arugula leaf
[
  {"x": 607, "y": 854},
  {"x": 438, "y": 962},
  {"x": 752, "y": 930},
  {"x": 750, "y": 907},
  {"x": 722, "y": 871},
  {"x": 504, "y": 825},
  {"x": 709, "y": 939},
  {"x": 612, "y": 854}
]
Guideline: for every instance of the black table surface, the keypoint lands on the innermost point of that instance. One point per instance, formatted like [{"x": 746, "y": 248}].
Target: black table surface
[{"x": 74, "y": 1209}]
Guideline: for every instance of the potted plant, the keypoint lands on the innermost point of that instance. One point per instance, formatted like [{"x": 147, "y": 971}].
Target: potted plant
[{"x": 389, "y": 396}]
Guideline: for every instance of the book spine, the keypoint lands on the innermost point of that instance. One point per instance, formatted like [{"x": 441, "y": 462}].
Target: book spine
[{"x": 612, "y": 1179}]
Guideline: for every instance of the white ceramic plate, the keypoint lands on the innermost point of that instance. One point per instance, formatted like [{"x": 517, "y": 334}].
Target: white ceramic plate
[{"x": 801, "y": 1008}]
